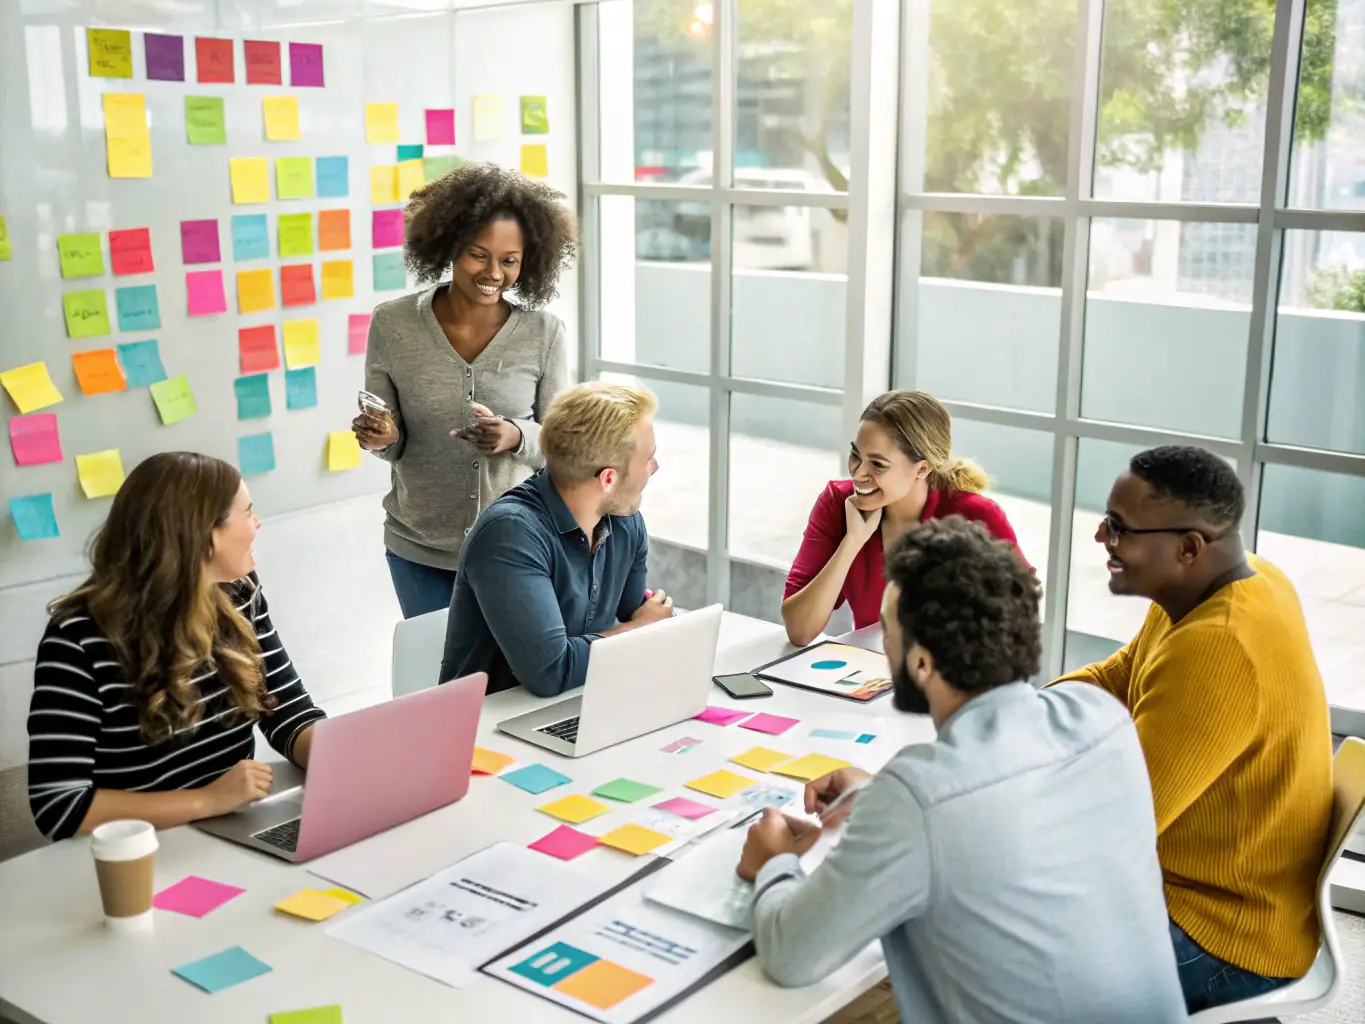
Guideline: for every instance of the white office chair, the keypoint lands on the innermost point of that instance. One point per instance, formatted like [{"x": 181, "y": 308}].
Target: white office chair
[
  {"x": 418, "y": 645},
  {"x": 1319, "y": 986}
]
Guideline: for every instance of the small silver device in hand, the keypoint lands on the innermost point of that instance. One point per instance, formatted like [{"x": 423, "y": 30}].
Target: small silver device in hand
[{"x": 372, "y": 403}]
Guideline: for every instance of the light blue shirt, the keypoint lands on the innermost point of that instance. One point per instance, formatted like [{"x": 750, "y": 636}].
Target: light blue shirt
[{"x": 1009, "y": 869}]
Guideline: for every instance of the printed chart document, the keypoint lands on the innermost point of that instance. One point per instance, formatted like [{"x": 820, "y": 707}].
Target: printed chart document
[
  {"x": 464, "y": 916},
  {"x": 853, "y": 673}
]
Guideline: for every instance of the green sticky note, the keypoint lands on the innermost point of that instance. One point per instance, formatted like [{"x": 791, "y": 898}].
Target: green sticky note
[
  {"x": 294, "y": 177},
  {"x": 535, "y": 119},
  {"x": 80, "y": 255},
  {"x": 316, "y": 1015},
  {"x": 435, "y": 166},
  {"x": 389, "y": 273},
  {"x": 6, "y": 252},
  {"x": 204, "y": 124},
  {"x": 626, "y": 791},
  {"x": 409, "y": 153},
  {"x": 174, "y": 399},
  {"x": 87, "y": 313},
  {"x": 296, "y": 234}
]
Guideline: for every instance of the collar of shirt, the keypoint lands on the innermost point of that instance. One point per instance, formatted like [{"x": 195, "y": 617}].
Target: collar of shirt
[{"x": 560, "y": 515}]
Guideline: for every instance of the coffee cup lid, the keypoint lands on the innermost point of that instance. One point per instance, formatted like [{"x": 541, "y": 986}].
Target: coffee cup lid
[{"x": 123, "y": 840}]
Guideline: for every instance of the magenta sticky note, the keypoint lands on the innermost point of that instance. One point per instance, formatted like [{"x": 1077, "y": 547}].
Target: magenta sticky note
[
  {"x": 194, "y": 896},
  {"x": 387, "y": 228},
  {"x": 205, "y": 290},
  {"x": 565, "y": 843},
  {"x": 35, "y": 439},
  {"x": 684, "y": 807},
  {"x": 441, "y": 127},
  {"x": 721, "y": 716},
  {"x": 774, "y": 725},
  {"x": 199, "y": 241},
  {"x": 305, "y": 64},
  {"x": 358, "y": 333}
]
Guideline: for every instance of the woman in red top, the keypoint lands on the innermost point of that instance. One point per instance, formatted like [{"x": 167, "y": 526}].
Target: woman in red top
[{"x": 902, "y": 473}]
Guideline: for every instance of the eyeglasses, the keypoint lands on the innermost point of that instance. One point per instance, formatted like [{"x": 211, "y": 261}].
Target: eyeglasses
[{"x": 1118, "y": 531}]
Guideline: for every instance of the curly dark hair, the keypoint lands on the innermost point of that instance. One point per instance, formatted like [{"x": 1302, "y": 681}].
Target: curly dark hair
[
  {"x": 968, "y": 601},
  {"x": 1195, "y": 478},
  {"x": 444, "y": 216}
]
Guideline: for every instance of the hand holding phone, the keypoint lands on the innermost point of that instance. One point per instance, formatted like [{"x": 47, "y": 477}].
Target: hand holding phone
[
  {"x": 743, "y": 685},
  {"x": 374, "y": 428}
]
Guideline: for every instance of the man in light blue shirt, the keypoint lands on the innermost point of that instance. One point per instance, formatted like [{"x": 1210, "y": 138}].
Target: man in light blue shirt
[{"x": 1009, "y": 868}]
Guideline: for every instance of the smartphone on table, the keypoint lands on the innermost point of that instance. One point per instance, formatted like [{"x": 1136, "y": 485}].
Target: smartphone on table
[{"x": 743, "y": 685}]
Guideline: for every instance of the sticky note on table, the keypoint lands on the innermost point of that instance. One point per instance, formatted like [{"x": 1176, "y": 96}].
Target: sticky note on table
[
  {"x": 311, "y": 904},
  {"x": 535, "y": 161},
  {"x": 535, "y": 778},
  {"x": 761, "y": 759},
  {"x": 565, "y": 843},
  {"x": 253, "y": 396},
  {"x": 334, "y": 176},
  {"x": 626, "y": 791},
  {"x": 294, "y": 177},
  {"x": 343, "y": 894},
  {"x": 490, "y": 114},
  {"x": 300, "y": 388},
  {"x": 343, "y": 451},
  {"x": 130, "y": 252},
  {"x": 111, "y": 52},
  {"x": 141, "y": 362},
  {"x": 204, "y": 122},
  {"x": 810, "y": 767},
  {"x": 256, "y": 347},
  {"x": 34, "y": 518},
  {"x": 250, "y": 179},
  {"x": 213, "y": 60},
  {"x": 441, "y": 127},
  {"x": 87, "y": 313},
  {"x": 685, "y": 808},
  {"x": 833, "y": 734},
  {"x": 774, "y": 725},
  {"x": 389, "y": 271},
  {"x": 296, "y": 285},
  {"x": 574, "y": 809},
  {"x": 489, "y": 762},
  {"x": 80, "y": 255},
  {"x": 383, "y": 184},
  {"x": 125, "y": 116},
  {"x": 204, "y": 290},
  {"x": 222, "y": 970},
  {"x": 165, "y": 57},
  {"x": 255, "y": 290},
  {"x": 334, "y": 230},
  {"x": 100, "y": 473},
  {"x": 381, "y": 123},
  {"x": 386, "y": 228},
  {"x": 301, "y": 343},
  {"x": 137, "y": 308},
  {"x": 305, "y": 64},
  {"x": 35, "y": 439},
  {"x": 98, "y": 372},
  {"x": 314, "y": 1015},
  {"x": 174, "y": 399},
  {"x": 281, "y": 114},
  {"x": 30, "y": 387},
  {"x": 199, "y": 241},
  {"x": 129, "y": 158},
  {"x": 263, "y": 64},
  {"x": 411, "y": 177},
  {"x": 357, "y": 333},
  {"x": 194, "y": 896},
  {"x": 721, "y": 784},
  {"x": 296, "y": 234},
  {"x": 635, "y": 839},
  {"x": 721, "y": 716},
  {"x": 338, "y": 279},
  {"x": 256, "y": 454},
  {"x": 250, "y": 237}
]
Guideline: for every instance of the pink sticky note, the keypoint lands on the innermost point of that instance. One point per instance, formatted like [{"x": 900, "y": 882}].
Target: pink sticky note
[
  {"x": 565, "y": 843},
  {"x": 684, "y": 807},
  {"x": 441, "y": 127},
  {"x": 305, "y": 64},
  {"x": 35, "y": 439},
  {"x": 194, "y": 896},
  {"x": 205, "y": 290},
  {"x": 199, "y": 241},
  {"x": 358, "y": 333},
  {"x": 721, "y": 716},
  {"x": 387, "y": 227},
  {"x": 774, "y": 725}
]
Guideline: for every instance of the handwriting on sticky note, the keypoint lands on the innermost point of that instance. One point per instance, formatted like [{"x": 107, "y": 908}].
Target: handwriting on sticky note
[
  {"x": 129, "y": 158},
  {"x": 250, "y": 238},
  {"x": 441, "y": 127},
  {"x": 250, "y": 179},
  {"x": 141, "y": 362},
  {"x": 296, "y": 234},
  {"x": 174, "y": 399},
  {"x": 294, "y": 177},
  {"x": 204, "y": 290},
  {"x": 137, "y": 308},
  {"x": 33, "y": 516},
  {"x": 256, "y": 347},
  {"x": 338, "y": 279},
  {"x": 311, "y": 904},
  {"x": 87, "y": 313},
  {"x": 30, "y": 387},
  {"x": 256, "y": 454},
  {"x": 565, "y": 843},
  {"x": 204, "y": 122},
  {"x": 305, "y": 64},
  {"x": 634, "y": 839},
  {"x": 357, "y": 333},
  {"x": 761, "y": 759},
  {"x": 301, "y": 343},
  {"x": 199, "y": 241},
  {"x": 130, "y": 252},
  {"x": 35, "y": 439},
  {"x": 98, "y": 372},
  {"x": 262, "y": 58},
  {"x": 381, "y": 123},
  {"x": 222, "y": 970},
  {"x": 334, "y": 230},
  {"x": 100, "y": 473},
  {"x": 111, "y": 52},
  {"x": 488, "y": 762},
  {"x": 194, "y": 896},
  {"x": 125, "y": 116},
  {"x": 720, "y": 784},
  {"x": 79, "y": 255},
  {"x": 574, "y": 809},
  {"x": 343, "y": 451},
  {"x": 165, "y": 57},
  {"x": 213, "y": 60},
  {"x": 281, "y": 114}
]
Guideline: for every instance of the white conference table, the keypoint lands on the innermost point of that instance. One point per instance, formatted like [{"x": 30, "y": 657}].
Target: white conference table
[{"x": 59, "y": 965}]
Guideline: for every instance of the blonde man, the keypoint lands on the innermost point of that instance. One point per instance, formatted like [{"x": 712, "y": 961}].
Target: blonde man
[{"x": 559, "y": 561}]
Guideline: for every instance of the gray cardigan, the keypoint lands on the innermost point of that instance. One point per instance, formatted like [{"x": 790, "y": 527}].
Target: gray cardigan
[{"x": 440, "y": 484}]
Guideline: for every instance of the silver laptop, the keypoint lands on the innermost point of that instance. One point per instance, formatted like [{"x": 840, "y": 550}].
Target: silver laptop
[{"x": 638, "y": 681}]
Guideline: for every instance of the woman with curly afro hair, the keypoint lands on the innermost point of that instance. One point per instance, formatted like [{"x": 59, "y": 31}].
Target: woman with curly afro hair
[{"x": 466, "y": 372}]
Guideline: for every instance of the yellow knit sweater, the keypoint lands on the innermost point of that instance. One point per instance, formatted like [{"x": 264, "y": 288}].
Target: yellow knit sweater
[{"x": 1230, "y": 709}]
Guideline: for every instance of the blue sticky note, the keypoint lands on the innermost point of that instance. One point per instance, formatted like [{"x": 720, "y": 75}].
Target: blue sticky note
[
  {"x": 409, "y": 153},
  {"x": 255, "y": 454},
  {"x": 535, "y": 778},
  {"x": 141, "y": 362},
  {"x": 222, "y": 970},
  {"x": 389, "y": 274},
  {"x": 33, "y": 517},
  {"x": 866, "y": 737},
  {"x": 250, "y": 238},
  {"x": 333, "y": 176},
  {"x": 833, "y": 734},
  {"x": 300, "y": 388},
  {"x": 137, "y": 308},
  {"x": 253, "y": 396}
]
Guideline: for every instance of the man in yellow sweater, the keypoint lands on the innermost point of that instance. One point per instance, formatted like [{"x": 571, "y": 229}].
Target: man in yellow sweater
[{"x": 1230, "y": 709}]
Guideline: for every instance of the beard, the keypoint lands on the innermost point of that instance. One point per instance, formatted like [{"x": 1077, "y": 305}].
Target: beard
[{"x": 905, "y": 694}]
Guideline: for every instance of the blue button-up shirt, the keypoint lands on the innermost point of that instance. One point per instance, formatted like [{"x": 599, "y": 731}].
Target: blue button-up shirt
[{"x": 532, "y": 592}]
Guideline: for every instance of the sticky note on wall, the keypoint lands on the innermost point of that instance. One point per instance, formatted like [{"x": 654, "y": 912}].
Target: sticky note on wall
[
  {"x": 30, "y": 387},
  {"x": 79, "y": 255},
  {"x": 255, "y": 454},
  {"x": 357, "y": 333},
  {"x": 294, "y": 177},
  {"x": 281, "y": 114},
  {"x": 296, "y": 234},
  {"x": 301, "y": 343},
  {"x": 256, "y": 348},
  {"x": 87, "y": 313},
  {"x": 34, "y": 439},
  {"x": 411, "y": 177},
  {"x": 334, "y": 230},
  {"x": 98, "y": 372},
  {"x": 386, "y": 229},
  {"x": 305, "y": 65},
  {"x": 535, "y": 161},
  {"x": 204, "y": 290},
  {"x": 100, "y": 473},
  {"x": 137, "y": 308},
  {"x": 296, "y": 285},
  {"x": 6, "y": 249},
  {"x": 255, "y": 291},
  {"x": 33, "y": 517},
  {"x": 490, "y": 114},
  {"x": 130, "y": 252},
  {"x": 441, "y": 127},
  {"x": 343, "y": 451},
  {"x": 165, "y": 57},
  {"x": 250, "y": 237},
  {"x": 300, "y": 388},
  {"x": 111, "y": 52},
  {"x": 338, "y": 280},
  {"x": 253, "y": 396},
  {"x": 535, "y": 118},
  {"x": 141, "y": 362},
  {"x": 262, "y": 57},
  {"x": 199, "y": 241},
  {"x": 213, "y": 60},
  {"x": 174, "y": 399},
  {"x": 389, "y": 272},
  {"x": 334, "y": 176},
  {"x": 250, "y": 179},
  {"x": 204, "y": 121},
  {"x": 384, "y": 184},
  {"x": 381, "y": 123}
]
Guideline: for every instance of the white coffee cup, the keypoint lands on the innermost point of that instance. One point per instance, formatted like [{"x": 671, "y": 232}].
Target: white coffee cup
[{"x": 125, "y": 864}]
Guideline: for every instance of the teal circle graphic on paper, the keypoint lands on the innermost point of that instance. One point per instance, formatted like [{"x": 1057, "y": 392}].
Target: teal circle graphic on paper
[{"x": 830, "y": 665}]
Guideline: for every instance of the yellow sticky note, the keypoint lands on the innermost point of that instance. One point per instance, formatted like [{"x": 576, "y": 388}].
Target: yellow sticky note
[
  {"x": 281, "y": 117},
  {"x": 490, "y": 113},
  {"x": 810, "y": 767},
  {"x": 535, "y": 161},
  {"x": 343, "y": 895},
  {"x": 111, "y": 52},
  {"x": 343, "y": 451},
  {"x": 312, "y": 905},
  {"x": 294, "y": 177},
  {"x": 125, "y": 115},
  {"x": 100, "y": 473},
  {"x": 338, "y": 279},
  {"x": 411, "y": 177},
  {"x": 634, "y": 839},
  {"x": 489, "y": 762},
  {"x": 574, "y": 809},
  {"x": 30, "y": 387},
  {"x": 129, "y": 158},
  {"x": 381, "y": 122},
  {"x": 720, "y": 784},
  {"x": 761, "y": 759},
  {"x": 250, "y": 179},
  {"x": 255, "y": 290},
  {"x": 301, "y": 343},
  {"x": 384, "y": 184}
]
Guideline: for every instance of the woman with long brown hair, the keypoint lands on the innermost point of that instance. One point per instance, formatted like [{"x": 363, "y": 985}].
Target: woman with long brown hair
[{"x": 153, "y": 672}]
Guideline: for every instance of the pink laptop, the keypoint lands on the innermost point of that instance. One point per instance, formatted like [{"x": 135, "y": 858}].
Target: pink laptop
[{"x": 368, "y": 771}]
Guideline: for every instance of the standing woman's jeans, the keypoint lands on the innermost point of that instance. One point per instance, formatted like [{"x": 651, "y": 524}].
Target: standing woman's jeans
[{"x": 420, "y": 588}]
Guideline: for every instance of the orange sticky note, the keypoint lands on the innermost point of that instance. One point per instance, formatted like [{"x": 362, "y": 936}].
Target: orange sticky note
[
  {"x": 255, "y": 291},
  {"x": 338, "y": 279},
  {"x": 634, "y": 839},
  {"x": 602, "y": 984},
  {"x": 489, "y": 762},
  {"x": 312, "y": 905},
  {"x": 334, "y": 230},
  {"x": 574, "y": 809},
  {"x": 720, "y": 784},
  {"x": 98, "y": 372}
]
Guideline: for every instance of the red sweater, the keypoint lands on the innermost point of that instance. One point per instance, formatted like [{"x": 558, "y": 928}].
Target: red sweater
[{"x": 865, "y": 581}]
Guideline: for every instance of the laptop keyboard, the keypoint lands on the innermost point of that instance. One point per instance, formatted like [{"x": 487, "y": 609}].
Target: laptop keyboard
[
  {"x": 566, "y": 730},
  {"x": 284, "y": 837}
]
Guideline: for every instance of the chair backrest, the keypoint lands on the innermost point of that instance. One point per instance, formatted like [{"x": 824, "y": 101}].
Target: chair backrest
[
  {"x": 1348, "y": 801},
  {"x": 418, "y": 645}
]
